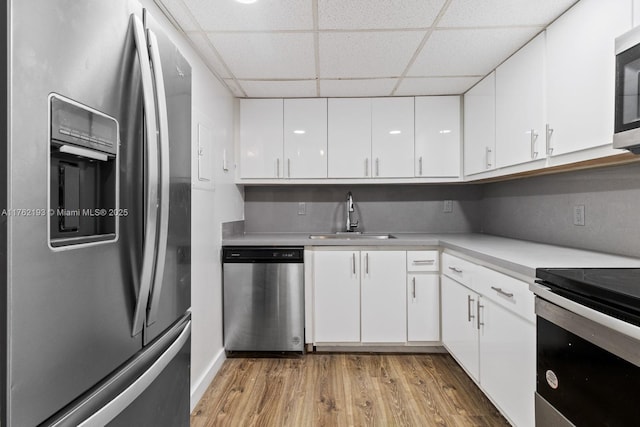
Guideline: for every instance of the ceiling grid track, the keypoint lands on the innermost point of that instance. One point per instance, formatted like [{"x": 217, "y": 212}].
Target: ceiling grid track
[
  {"x": 316, "y": 44},
  {"x": 426, "y": 37}
]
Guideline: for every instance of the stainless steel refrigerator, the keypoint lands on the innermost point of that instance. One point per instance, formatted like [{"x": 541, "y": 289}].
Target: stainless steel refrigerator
[{"x": 95, "y": 226}]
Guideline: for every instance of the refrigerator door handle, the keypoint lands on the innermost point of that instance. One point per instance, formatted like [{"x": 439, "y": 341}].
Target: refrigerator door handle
[
  {"x": 151, "y": 214},
  {"x": 163, "y": 229},
  {"x": 112, "y": 409}
]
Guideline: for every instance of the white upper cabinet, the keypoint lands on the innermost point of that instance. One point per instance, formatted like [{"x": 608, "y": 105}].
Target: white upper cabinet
[
  {"x": 305, "y": 138},
  {"x": 480, "y": 126},
  {"x": 437, "y": 136},
  {"x": 261, "y": 138},
  {"x": 392, "y": 137},
  {"x": 520, "y": 104},
  {"x": 349, "y": 137},
  {"x": 580, "y": 73}
]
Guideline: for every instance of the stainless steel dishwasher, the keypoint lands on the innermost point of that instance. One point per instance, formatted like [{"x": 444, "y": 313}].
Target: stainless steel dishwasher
[{"x": 263, "y": 294}]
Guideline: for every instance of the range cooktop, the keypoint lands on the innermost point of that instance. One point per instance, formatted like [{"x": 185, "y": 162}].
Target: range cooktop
[{"x": 615, "y": 291}]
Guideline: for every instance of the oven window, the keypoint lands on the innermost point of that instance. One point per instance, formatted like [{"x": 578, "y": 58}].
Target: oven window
[
  {"x": 627, "y": 110},
  {"x": 587, "y": 384}
]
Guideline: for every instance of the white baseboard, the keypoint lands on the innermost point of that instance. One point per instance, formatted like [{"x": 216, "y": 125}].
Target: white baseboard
[{"x": 200, "y": 387}]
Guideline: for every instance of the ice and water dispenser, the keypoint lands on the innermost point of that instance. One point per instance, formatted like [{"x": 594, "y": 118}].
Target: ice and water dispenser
[{"x": 83, "y": 183}]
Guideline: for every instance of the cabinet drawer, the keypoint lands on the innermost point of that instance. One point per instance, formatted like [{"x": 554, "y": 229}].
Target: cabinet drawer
[
  {"x": 458, "y": 269},
  {"x": 510, "y": 293},
  {"x": 422, "y": 261}
]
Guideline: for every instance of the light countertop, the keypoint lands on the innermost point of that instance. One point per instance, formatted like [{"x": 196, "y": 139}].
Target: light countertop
[{"x": 519, "y": 256}]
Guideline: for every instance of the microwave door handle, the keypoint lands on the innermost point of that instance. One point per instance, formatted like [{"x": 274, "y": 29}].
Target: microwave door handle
[
  {"x": 151, "y": 167},
  {"x": 163, "y": 229}
]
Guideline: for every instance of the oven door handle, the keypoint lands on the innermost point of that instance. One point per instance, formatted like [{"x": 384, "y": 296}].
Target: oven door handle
[{"x": 612, "y": 340}]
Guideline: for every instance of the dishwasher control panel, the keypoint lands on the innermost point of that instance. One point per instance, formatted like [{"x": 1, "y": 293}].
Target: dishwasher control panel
[{"x": 262, "y": 254}]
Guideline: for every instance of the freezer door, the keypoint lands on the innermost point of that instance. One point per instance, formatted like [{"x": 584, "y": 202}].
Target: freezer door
[
  {"x": 171, "y": 290},
  {"x": 69, "y": 315}
]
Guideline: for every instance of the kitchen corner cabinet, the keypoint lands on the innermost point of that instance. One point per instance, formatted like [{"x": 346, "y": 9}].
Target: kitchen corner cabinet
[
  {"x": 352, "y": 288},
  {"x": 437, "y": 136},
  {"x": 349, "y": 137},
  {"x": 488, "y": 325},
  {"x": 305, "y": 138},
  {"x": 480, "y": 126},
  {"x": 580, "y": 74},
  {"x": 261, "y": 138},
  {"x": 392, "y": 137},
  {"x": 520, "y": 104}
]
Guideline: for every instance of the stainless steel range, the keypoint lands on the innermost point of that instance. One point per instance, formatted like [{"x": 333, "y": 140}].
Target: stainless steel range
[{"x": 588, "y": 346}]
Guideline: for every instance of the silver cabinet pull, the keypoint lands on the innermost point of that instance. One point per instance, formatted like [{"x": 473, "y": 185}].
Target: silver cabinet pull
[
  {"x": 487, "y": 157},
  {"x": 549, "y": 133},
  {"x": 353, "y": 262},
  {"x": 420, "y": 166},
  {"x": 366, "y": 263},
  {"x": 480, "y": 306},
  {"x": 289, "y": 168},
  {"x": 278, "y": 168},
  {"x": 377, "y": 166},
  {"x": 414, "y": 288},
  {"x": 469, "y": 315},
  {"x": 456, "y": 269},
  {"x": 501, "y": 292},
  {"x": 366, "y": 167},
  {"x": 424, "y": 261},
  {"x": 534, "y": 137}
]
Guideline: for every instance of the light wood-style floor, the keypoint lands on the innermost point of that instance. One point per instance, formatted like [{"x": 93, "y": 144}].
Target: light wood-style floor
[{"x": 344, "y": 390}]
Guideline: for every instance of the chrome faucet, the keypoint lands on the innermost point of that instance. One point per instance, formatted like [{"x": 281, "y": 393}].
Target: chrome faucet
[{"x": 351, "y": 226}]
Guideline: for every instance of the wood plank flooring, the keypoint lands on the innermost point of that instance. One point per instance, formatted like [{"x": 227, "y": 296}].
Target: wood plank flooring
[{"x": 344, "y": 390}]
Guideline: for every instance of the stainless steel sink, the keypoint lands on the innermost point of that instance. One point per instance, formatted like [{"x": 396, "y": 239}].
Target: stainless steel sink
[{"x": 351, "y": 236}]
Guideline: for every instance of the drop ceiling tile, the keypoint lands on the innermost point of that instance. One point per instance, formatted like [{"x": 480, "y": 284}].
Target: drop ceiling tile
[
  {"x": 377, "y": 14},
  {"x": 435, "y": 85},
  {"x": 354, "y": 88},
  {"x": 267, "y": 55},
  {"x": 367, "y": 54},
  {"x": 279, "y": 89},
  {"x": 468, "y": 52},
  {"x": 205, "y": 48},
  {"x": 181, "y": 14},
  {"x": 229, "y": 15},
  {"x": 474, "y": 13}
]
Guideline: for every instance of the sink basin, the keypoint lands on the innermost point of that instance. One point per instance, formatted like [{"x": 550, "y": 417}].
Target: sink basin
[{"x": 351, "y": 236}]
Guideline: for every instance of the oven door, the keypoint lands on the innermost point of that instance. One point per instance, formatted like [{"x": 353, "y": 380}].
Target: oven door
[{"x": 587, "y": 374}]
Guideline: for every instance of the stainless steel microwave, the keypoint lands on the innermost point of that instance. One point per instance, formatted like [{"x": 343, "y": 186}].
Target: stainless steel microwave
[{"x": 627, "y": 103}]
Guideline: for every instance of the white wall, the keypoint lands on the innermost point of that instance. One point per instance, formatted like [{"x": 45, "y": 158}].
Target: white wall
[{"x": 213, "y": 202}]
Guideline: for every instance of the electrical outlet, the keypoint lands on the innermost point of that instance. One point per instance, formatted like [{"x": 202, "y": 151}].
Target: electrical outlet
[
  {"x": 302, "y": 208},
  {"x": 448, "y": 206},
  {"x": 578, "y": 215}
]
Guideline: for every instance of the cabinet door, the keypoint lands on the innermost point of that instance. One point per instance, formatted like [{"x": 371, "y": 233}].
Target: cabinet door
[
  {"x": 392, "y": 141},
  {"x": 459, "y": 325},
  {"x": 261, "y": 138},
  {"x": 580, "y": 73},
  {"x": 349, "y": 135},
  {"x": 520, "y": 120},
  {"x": 423, "y": 307},
  {"x": 384, "y": 297},
  {"x": 305, "y": 138},
  {"x": 336, "y": 291},
  {"x": 508, "y": 361},
  {"x": 480, "y": 126},
  {"x": 437, "y": 136}
]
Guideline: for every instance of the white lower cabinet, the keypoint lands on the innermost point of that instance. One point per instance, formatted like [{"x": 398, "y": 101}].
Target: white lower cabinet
[
  {"x": 507, "y": 361},
  {"x": 360, "y": 296},
  {"x": 423, "y": 307},
  {"x": 336, "y": 288},
  {"x": 490, "y": 331},
  {"x": 383, "y": 297},
  {"x": 459, "y": 330}
]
